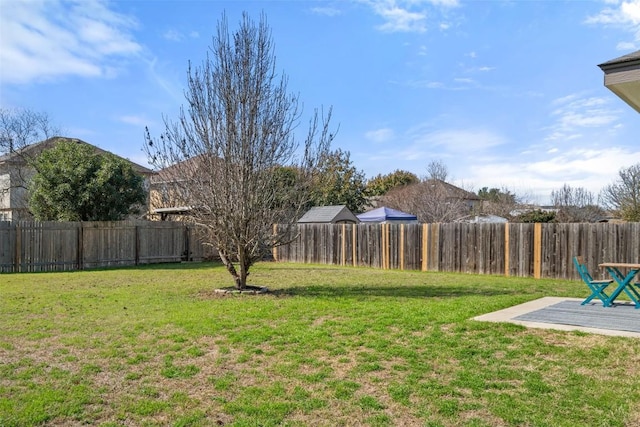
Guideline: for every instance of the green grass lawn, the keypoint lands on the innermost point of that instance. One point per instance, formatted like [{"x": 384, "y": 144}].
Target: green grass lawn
[{"x": 330, "y": 346}]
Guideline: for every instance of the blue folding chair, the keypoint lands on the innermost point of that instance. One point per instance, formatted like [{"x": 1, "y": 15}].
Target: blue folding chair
[{"x": 597, "y": 287}]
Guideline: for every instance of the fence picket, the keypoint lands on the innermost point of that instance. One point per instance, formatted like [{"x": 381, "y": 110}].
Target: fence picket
[
  {"x": 62, "y": 246},
  {"x": 526, "y": 250}
]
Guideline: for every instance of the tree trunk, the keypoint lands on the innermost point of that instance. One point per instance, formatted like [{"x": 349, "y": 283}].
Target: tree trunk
[
  {"x": 244, "y": 264},
  {"x": 240, "y": 280}
]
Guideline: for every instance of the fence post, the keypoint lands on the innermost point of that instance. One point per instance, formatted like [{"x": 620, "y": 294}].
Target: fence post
[
  {"x": 401, "y": 246},
  {"x": 344, "y": 245},
  {"x": 425, "y": 252},
  {"x": 537, "y": 250},
  {"x": 383, "y": 245},
  {"x": 136, "y": 230},
  {"x": 353, "y": 244},
  {"x": 80, "y": 250},
  {"x": 274, "y": 249},
  {"x": 18, "y": 248},
  {"x": 506, "y": 249},
  {"x": 387, "y": 246},
  {"x": 187, "y": 243}
]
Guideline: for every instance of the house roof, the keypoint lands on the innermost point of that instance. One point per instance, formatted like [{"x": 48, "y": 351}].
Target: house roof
[
  {"x": 185, "y": 169},
  {"x": 328, "y": 214},
  {"x": 622, "y": 77},
  {"x": 37, "y": 148},
  {"x": 450, "y": 190},
  {"x": 621, "y": 61},
  {"x": 386, "y": 214}
]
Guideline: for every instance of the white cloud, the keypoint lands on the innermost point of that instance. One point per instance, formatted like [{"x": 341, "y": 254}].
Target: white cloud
[
  {"x": 572, "y": 114},
  {"x": 402, "y": 20},
  {"x": 631, "y": 11},
  {"x": 624, "y": 15},
  {"x": 457, "y": 83},
  {"x": 464, "y": 80},
  {"x": 482, "y": 157},
  {"x": 173, "y": 35},
  {"x": 326, "y": 11},
  {"x": 408, "y": 15},
  {"x": 380, "y": 135},
  {"x": 625, "y": 12},
  {"x": 177, "y": 36},
  {"x": 449, "y": 142},
  {"x": 577, "y": 167},
  {"x": 43, "y": 40},
  {"x": 134, "y": 120}
]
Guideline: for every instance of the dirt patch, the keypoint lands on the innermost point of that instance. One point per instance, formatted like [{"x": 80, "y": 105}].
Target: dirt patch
[{"x": 230, "y": 291}]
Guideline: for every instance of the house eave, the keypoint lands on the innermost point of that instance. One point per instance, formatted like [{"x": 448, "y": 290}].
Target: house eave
[{"x": 622, "y": 77}]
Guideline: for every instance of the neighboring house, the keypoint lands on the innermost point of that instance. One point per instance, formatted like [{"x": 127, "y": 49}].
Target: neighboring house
[
  {"x": 384, "y": 215},
  {"x": 169, "y": 188},
  {"x": 433, "y": 200},
  {"x": 622, "y": 77},
  {"x": 447, "y": 191},
  {"x": 15, "y": 174},
  {"x": 339, "y": 214}
]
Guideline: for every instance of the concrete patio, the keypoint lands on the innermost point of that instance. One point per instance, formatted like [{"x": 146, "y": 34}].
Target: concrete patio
[{"x": 566, "y": 314}]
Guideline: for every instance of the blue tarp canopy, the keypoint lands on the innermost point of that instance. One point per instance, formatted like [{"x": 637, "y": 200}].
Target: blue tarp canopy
[{"x": 386, "y": 214}]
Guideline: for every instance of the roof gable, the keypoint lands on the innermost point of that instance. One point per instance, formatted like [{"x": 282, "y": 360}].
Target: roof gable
[
  {"x": 328, "y": 214},
  {"x": 450, "y": 190}
]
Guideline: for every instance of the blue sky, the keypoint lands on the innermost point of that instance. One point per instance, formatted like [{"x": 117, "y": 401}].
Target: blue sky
[{"x": 507, "y": 94}]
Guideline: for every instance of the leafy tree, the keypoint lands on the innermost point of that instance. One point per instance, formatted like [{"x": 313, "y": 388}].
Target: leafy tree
[
  {"x": 623, "y": 196},
  {"x": 74, "y": 183},
  {"x": 339, "y": 183},
  {"x": 237, "y": 128},
  {"x": 575, "y": 205},
  {"x": 288, "y": 181},
  {"x": 537, "y": 215},
  {"x": 497, "y": 201},
  {"x": 381, "y": 184},
  {"x": 497, "y": 195}
]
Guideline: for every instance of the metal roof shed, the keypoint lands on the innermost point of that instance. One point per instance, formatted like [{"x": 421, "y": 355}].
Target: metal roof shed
[{"x": 338, "y": 214}]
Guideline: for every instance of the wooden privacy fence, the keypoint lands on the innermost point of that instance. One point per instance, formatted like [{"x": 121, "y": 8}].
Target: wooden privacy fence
[
  {"x": 535, "y": 250},
  {"x": 58, "y": 246}
]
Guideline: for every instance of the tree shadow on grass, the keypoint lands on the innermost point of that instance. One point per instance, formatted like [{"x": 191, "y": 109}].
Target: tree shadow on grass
[{"x": 394, "y": 291}]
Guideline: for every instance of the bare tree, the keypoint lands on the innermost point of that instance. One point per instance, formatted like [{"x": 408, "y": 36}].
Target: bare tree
[
  {"x": 19, "y": 128},
  {"x": 22, "y": 127},
  {"x": 623, "y": 196},
  {"x": 432, "y": 201},
  {"x": 223, "y": 151},
  {"x": 575, "y": 205},
  {"x": 436, "y": 169}
]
